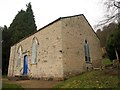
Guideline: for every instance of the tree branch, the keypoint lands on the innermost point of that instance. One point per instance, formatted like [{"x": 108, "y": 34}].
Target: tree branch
[
  {"x": 109, "y": 19},
  {"x": 117, "y": 5}
]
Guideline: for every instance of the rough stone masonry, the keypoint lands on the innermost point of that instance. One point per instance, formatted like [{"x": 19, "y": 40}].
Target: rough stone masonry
[{"x": 56, "y": 51}]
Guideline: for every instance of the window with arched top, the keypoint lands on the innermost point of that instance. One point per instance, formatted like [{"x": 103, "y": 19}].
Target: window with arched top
[
  {"x": 19, "y": 54},
  {"x": 87, "y": 53},
  {"x": 34, "y": 51}
]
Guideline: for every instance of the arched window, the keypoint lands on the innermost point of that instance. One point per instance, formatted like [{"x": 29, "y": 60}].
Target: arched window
[
  {"x": 34, "y": 51},
  {"x": 87, "y": 53},
  {"x": 19, "y": 52}
]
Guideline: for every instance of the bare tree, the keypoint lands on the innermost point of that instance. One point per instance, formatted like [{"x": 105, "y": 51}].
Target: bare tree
[
  {"x": 112, "y": 14},
  {"x": 112, "y": 9}
]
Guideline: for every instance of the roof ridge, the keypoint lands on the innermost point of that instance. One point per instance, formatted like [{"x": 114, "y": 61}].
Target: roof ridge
[{"x": 72, "y": 16}]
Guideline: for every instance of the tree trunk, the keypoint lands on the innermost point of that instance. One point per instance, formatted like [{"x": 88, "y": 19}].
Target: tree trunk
[{"x": 116, "y": 54}]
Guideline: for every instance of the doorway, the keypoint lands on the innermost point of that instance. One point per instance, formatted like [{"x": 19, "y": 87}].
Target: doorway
[{"x": 25, "y": 66}]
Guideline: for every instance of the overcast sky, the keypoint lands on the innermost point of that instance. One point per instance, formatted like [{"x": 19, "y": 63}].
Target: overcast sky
[{"x": 46, "y": 11}]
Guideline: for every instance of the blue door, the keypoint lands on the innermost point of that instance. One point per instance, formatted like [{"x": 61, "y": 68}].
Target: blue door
[{"x": 25, "y": 67}]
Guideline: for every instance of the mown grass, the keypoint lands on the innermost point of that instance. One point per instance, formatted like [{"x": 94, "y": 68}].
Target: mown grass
[
  {"x": 92, "y": 79},
  {"x": 11, "y": 86},
  {"x": 6, "y": 85}
]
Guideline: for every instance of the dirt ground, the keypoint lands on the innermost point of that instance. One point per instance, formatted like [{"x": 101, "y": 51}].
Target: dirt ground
[{"x": 32, "y": 83}]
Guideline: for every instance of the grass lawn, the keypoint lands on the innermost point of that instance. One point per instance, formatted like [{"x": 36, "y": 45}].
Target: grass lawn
[
  {"x": 92, "y": 79},
  {"x": 6, "y": 85},
  {"x": 11, "y": 86}
]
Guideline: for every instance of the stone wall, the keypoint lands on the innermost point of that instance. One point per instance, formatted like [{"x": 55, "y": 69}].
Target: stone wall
[
  {"x": 75, "y": 30},
  {"x": 11, "y": 62},
  {"x": 49, "y": 57},
  {"x": 60, "y": 50}
]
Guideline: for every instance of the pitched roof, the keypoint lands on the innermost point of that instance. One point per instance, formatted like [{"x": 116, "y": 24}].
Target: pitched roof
[{"x": 54, "y": 22}]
